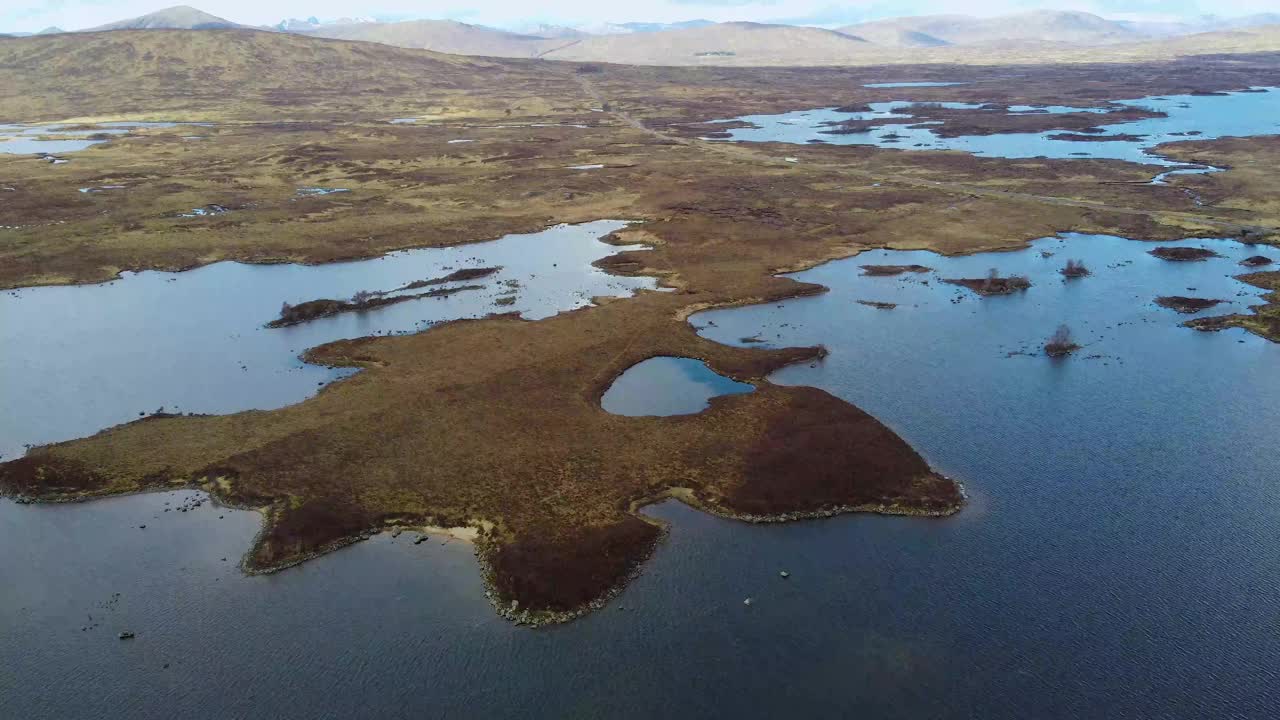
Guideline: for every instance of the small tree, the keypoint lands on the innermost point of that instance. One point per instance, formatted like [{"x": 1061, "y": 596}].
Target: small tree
[
  {"x": 285, "y": 310},
  {"x": 1074, "y": 269},
  {"x": 993, "y": 275},
  {"x": 1060, "y": 343},
  {"x": 362, "y": 297}
]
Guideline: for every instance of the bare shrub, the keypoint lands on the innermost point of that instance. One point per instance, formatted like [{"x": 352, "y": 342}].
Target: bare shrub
[
  {"x": 1075, "y": 269},
  {"x": 993, "y": 276},
  {"x": 1060, "y": 343}
]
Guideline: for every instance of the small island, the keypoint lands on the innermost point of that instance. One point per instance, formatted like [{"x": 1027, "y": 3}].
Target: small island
[
  {"x": 1184, "y": 254},
  {"x": 1060, "y": 344},
  {"x": 1081, "y": 137},
  {"x": 455, "y": 276},
  {"x": 993, "y": 283},
  {"x": 1074, "y": 269},
  {"x": 1186, "y": 305},
  {"x": 1264, "y": 321},
  {"x": 361, "y": 301},
  {"x": 893, "y": 269}
]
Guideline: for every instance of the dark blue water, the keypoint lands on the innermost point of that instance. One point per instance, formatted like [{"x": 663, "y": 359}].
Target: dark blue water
[
  {"x": 1241, "y": 114},
  {"x": 1117, "y": 557},
  {"x": 668, "y": 386}
]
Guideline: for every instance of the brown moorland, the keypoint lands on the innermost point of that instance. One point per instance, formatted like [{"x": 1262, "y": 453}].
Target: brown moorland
[
  {"x": 496, "y": 423},
  {"x": 1265, "y": 319},
  {"x": 513, "y": 408},
  {"x": 411, "y": 187}
]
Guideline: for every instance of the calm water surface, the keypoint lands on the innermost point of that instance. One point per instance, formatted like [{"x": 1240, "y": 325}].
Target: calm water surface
[
  {"x": 1239, "y": 114},
  {"x": 1117, "y": 559},
  {"x": 26, "y": 140},
  {"x": 91, "y": 356},
  {"x": 668, "y": 386}
]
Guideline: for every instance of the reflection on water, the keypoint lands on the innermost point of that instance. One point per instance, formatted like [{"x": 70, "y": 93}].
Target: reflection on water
[
  {"x": 1240, "y": 114},
  {"x": 1117, "y": 558},
  {"x": 65, "y": 138},
  {"x": 668, "y": 386},
  {"x": 79, "y": 359}
]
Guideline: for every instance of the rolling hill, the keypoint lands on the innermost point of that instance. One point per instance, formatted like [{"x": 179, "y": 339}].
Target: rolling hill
[
  {"x": 249, "y": 74},
  {"x": 1050, "y": 26},
  {"x": 895, "y": 37},
  {"x": 216, "y": 59},
  {"x": 446, "y": 36},
  {"x": 1201, "y": 25},
  {"x": 749, "y": 44},
  {"x": 179, "y": 17},
  {"x": 732, "y": 43}
]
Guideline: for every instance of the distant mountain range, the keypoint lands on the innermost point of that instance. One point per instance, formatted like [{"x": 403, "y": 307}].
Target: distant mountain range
[
  {"x": 702, "y": 42},
  {"x": 1047, "y": 26},
  {"x": 447, "y": 36},
  {"x": 1038, "y": 26},
  {"x": 581, "y": 31},
  {"x": 46, "y": 31},
  {"x": 1205, "y": 24},
  {"x": 313, "y": 23},
  {"x": 717, "y": 43}
]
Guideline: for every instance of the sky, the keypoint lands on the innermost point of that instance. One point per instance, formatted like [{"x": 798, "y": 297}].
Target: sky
[{"x": 34, "y": 15}]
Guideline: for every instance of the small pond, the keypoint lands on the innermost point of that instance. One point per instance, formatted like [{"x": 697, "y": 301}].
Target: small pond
[
  {"x": 65, "y": 138},
  {"x": 668, "y": 386}
]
